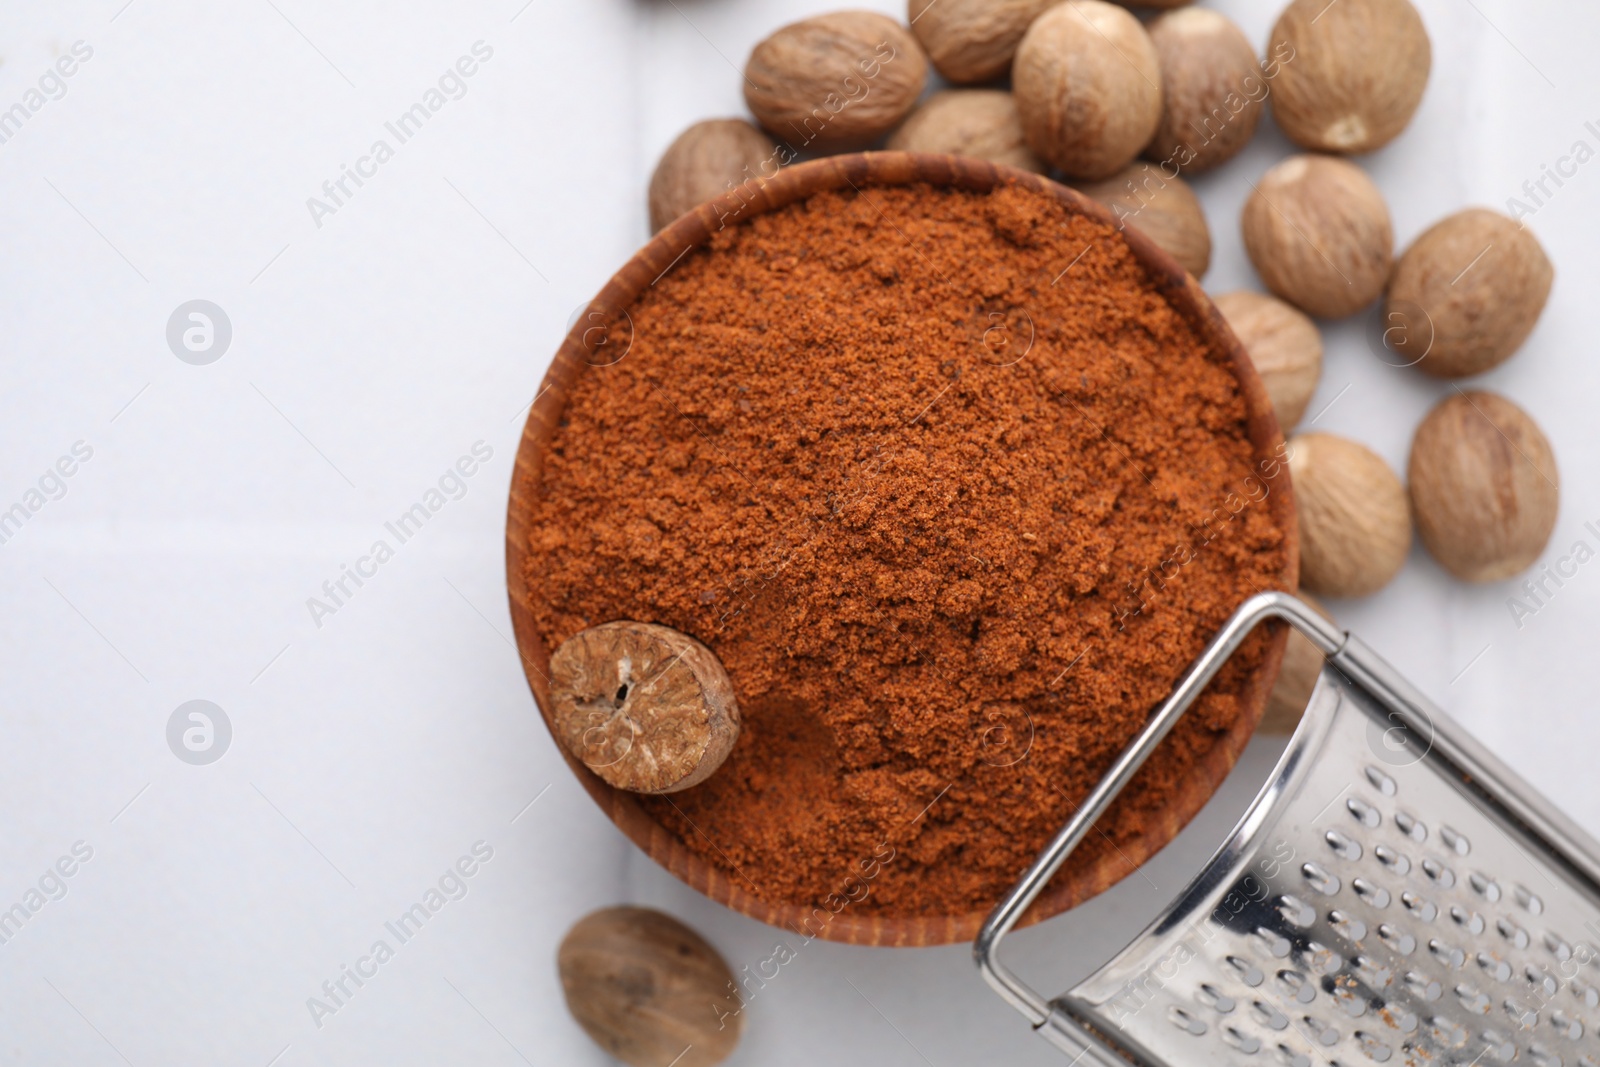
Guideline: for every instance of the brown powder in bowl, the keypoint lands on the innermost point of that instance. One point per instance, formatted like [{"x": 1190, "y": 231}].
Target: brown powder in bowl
[{"x": 954, "y": 494}]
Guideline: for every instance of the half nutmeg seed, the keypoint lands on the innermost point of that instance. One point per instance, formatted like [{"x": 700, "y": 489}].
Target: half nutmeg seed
[{"x": 646, "y": 708}]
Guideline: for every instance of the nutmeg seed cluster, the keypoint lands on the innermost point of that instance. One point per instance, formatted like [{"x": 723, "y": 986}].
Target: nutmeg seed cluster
[
  {"x": 1080, "y": 88},
  {"x": 1126, "y": 107},
  {"x": 1083, "y": 89}
]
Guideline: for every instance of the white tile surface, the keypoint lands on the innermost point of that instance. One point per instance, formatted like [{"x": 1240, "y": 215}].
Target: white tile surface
[{"x": 371, "y": 352}]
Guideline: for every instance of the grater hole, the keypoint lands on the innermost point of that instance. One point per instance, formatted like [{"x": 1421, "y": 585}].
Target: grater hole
[
  {"x": 1499, "y": 1046},
  {"x": 1183, "y": 1020},
  {"x": 1420, "y": 907},
  {"x": 1293, "y": 984},
  {"x": 1212, "y": 997},
  {"x": 1373, "y": 973},
  {"x": 1290, "y": 1058},
  {"x": 1447, "y": 954},
  {"x": 1319, "y": 959},
  {"x": 1543, "y": 985},
  {"x": 1248, "y": 972},
  {"x": 1401, "y": 942},
  {"x": 1454, "y": 840},
  {"x": 1343, "y": 846},
  {"x": 1423, "y": 986},
  {"x": 1438, "y": 873},
  {"x": 1245, "y": 1043},
  {"x": 1558, "y": 948},
  {"x": 1406, "y": 1024},
  {"x": 1374, "y": 1049},
  {"x": 1273, "y": 944},
  {"x": 1268, "y": 1016},
  {"x": 1473, "y": 1000},
  {"x": 1469, "y": 921},
  {"x": 1296, "y": 911},
  {"x": 1497, "y": 969},
  {"x": 1349, "y": 1000},
  {"x": 1320, "y": 878},
  {"x": 1484, "y": 886},
  {"x": 1411, "y": 826},
  {"x": 1512, "y": 933},
  {"x": 1529, "y": 900},
  {"x": 1365, "y": 813},
  {"x": 1566, "y": 1026},
  {"x": 1375, "y": 895},
  {"x": 1588, "y": 996},
  {"x": 1346, "y": 927},
  {"x": 1520, "y": 1013},
  {"x": 1448, "y": 1032},
  {"x": 1396, "y": 861},
  {"x": 1318, "y": 1031},
  {"x": 1381, "y": 782},
  {"x": 1540, "y": 1056}
]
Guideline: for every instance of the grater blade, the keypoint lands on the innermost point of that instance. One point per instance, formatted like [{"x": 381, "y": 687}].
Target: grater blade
[{"x": 1393, "y": 896}]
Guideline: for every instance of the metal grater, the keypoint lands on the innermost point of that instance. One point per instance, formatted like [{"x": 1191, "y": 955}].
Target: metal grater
[{"x": 1394, "y": 895}]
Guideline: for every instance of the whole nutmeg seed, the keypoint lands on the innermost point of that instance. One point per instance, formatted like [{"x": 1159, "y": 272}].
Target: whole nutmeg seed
[
  {"x": 1318, "y": 232},
  {"x": 835, "y": 82},
  {"x": 1466, "y": 294},
  {"x": 1484, "y": 486},
  {"x": 1212, "y": 89},
  {"x": 705, "y": 161},
  {"x": 649, "y": 990},
  {"x": 970, "y": 41},
  {"x": 982, "y": 123},
  {"x": 1164, "y": 209},
  {"x": 1088, "y": 85},
  {"x": 1355, "y": 524},
  {"x": 1302, "y": 663},
  {"x": 1353, "y": 72},
  {"x": 1284, "y": 345},
  {"x": 645, "y": 707}
]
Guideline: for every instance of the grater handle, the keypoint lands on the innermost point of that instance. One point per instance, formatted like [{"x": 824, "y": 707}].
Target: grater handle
[{"x": 1327, "y": 637}]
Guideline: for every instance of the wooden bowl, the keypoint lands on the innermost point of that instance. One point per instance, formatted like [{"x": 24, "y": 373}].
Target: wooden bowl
[{"x": 1072, "y": 885}]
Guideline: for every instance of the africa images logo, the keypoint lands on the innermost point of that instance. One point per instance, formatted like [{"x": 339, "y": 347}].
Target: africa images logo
[
  {"x": 199, "y": 332},
  {"x": 199, "y": 732}
]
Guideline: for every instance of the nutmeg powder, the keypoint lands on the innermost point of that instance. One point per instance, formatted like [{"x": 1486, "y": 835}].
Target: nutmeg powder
[{"x": 954, "y": 494}]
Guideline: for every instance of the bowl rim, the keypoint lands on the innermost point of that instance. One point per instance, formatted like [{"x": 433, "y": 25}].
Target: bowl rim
[{"x": 651, "y": 262}]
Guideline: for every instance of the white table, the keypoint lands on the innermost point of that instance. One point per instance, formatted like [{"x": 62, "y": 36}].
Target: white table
[{"x": 372, "y": 745}]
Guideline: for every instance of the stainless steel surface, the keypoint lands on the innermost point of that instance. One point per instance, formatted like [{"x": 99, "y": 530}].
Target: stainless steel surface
[{"x": 1393, "y": 894}]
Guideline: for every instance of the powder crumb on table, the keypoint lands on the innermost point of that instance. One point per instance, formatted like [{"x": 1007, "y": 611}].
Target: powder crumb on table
[{"x": 923, "y": 489}]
